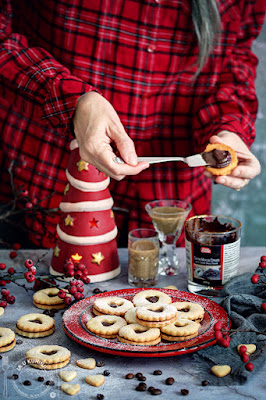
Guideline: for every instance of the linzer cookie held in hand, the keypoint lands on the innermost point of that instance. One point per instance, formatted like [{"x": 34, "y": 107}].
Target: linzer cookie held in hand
[{"x": 221, "y": 159}]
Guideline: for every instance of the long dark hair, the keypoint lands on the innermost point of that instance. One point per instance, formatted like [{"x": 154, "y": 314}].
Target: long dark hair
[{"x": 206, "y": 20}]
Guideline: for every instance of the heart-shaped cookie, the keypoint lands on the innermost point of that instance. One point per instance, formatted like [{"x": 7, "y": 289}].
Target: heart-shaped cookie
[
  {"x": 221, "y": 370},
  {"x": 87, "y": 363},
  {"x": 67, "y": 376},
  {"x": 70, "y": 389},
  {"x": 251, "y": 348},
  {"x": 95, "y": 380}
]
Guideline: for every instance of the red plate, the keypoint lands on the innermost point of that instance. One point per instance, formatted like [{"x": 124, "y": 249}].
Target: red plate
[{"x": 75, "y": 319}]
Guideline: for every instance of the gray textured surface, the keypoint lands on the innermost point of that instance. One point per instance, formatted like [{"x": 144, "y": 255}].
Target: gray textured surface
[
  {"x": 184, "y": 369},
  {"x": 249, "y": 205}
]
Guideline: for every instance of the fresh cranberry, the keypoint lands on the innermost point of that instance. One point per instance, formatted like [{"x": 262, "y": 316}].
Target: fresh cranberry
[
  {"x": 10, "y": 299},
  {"x": 61, "y": 294},
  {"x": 218, "y": 335},
  {"x": 28, "y": 263},
  {"x": 242, "y": 349},
  {"x": 73, "y": 289},
  {"x": 80, "y": 288},
  {"x": 218, "y": 326},
  {"x": 245, "y": 357},
  {"x": 2, "y": 282},
  {"x": 263, "y": 307},
  {"x": 74, "y": 282},
  {"x": 17, "y": 246},
  {"x": 70, "y": 273},
  {"x": 255, "y": 278},
  {"x": 86, "y": 279},
  {"x": 78, "y": 296},
  {"x": 13, "y": 254},
  {"x": 78, "y": 274},
  {"x": 81, "y": 267},
  {"x": 29, "y": 276},
  {"x": 67, "y": 301},
  {"x": 249, "y": 366},
  {"x": 79, "y": 282},
  {"x": 11, "y": 271},
  {"x": 262, "y": 264},
  {"x": 5, "y": 292},
  {"x": 28, "y": 205},
  {"x": 24, "y": 192},
  {"x": 3, "y": 303},
  {"x": 263, "y": 258},
  {"x": 2, "y": 266},
  {"x": 224, "y": 342},
  {"x": 32, "y": 270}
]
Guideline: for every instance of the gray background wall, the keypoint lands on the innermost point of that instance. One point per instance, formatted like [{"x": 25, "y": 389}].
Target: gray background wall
[{"x": 249, "y": 205}]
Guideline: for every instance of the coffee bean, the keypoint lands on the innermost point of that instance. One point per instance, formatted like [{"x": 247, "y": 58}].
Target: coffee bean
[
  {"x": 100, "y": 396},
  {"x": 157, "y": 372},
  {"x": 51, "y": 313},
  {"x": 106, "y": 372},
  {"x": 19, "y": 341},
  {"x": 141, "y": 387},
  {"x": 184, "y": 392},
  {"x": 142, "y": 378},
  {"x": 130, "y": 376},
  {"x": 96, "y": 291},
  {"x": 46, "y": 312},
  {"x": 138, "y": 375},
  {"x": 14, "y": 376},
  {"x": 40, "y": 379},
  {"x": 100, "y": 364},
  {"x": 156, "y": 392},
  {"x": 0, "y": 357},
  {"x": 204, "y": 383},
  {"x": 151, "y": 388},
  {"x": 27, "y": 383},
  {"x": 49, "y": 383},
  {"x": 169, "y": 381}
]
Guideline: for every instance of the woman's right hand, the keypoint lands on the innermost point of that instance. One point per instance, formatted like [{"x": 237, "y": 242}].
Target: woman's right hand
[{"x": 97, "y": 126}]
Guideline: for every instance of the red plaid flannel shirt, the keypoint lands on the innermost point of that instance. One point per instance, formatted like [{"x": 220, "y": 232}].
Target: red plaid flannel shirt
[{"x": 141, "y": 56}]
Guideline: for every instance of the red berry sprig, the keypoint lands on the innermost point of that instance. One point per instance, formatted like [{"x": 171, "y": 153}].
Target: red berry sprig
[{"x": 260, "y": 278}]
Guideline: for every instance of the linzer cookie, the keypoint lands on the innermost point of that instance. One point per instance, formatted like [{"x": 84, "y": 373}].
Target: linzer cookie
[
  {"x": 189, "y": 310},
  {"x": 7, "y": 339},
  {"x": 106, "y": 326},
  {"x": 180, "y": 329},
  {"x": 156, "y": 315},
  {"x": 48, "y": 357},
  {"x": 47, "y": 299},
  {"x": 139, "y": 335},
  {"x": 130, "y": 316},
  {"x": 221, "y": 158},
  {"x": 112, "y": 305},
  {"x": 35, "y": 325},
  {"x": 148, "y": 297}
]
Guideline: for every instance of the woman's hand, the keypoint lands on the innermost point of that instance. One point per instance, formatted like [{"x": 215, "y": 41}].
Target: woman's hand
[
  {"x": 97, "y": 126},
  {"x": 248, "y": 165}
]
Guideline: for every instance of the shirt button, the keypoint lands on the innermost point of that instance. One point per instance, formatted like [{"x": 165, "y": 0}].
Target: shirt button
[{"x": 151, "y": 48}]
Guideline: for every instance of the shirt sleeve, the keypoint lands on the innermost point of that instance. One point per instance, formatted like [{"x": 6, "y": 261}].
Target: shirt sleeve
[
  {"x": 233, "y": 103},
  {"x": 33, "y": 79}
]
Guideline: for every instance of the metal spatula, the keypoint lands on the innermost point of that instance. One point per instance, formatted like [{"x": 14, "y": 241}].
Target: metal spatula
[{"x": 192, "y": 161}]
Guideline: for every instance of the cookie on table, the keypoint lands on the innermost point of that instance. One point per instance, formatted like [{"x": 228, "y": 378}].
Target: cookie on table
[
  {"x": 7, "y": 340},
  {"x": 112, "y": 305},
  {"x": 2, "y": 310},
  {"x": 86, "y": 363},
  {"x": 151, "y": 296},
  {"x": 225, "y": 170},
  {"x": 156, "y": 315},
  {"x": 48, "y": 357},
  {"x": 106, "y": 326},
  {"x": 139, "y": 335},
  {"x": 70, "y": 389},
  {"x": 95, "y": 380},
  {"x": 35, "y": 325},
  {"x": 181, "y": 329},
  {"x": 47, "y": 299},
  {"x": 189, "y": 310}
]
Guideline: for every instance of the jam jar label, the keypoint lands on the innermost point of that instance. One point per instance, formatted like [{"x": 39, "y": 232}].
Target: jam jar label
[{"x": 212, "y": 265}]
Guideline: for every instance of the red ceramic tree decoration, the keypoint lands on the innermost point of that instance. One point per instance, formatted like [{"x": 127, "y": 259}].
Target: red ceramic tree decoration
[{"x": 87, "y": 230}]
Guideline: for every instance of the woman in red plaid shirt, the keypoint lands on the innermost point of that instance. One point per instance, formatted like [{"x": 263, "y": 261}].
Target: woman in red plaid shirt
[{"x": 153, "y": 77}]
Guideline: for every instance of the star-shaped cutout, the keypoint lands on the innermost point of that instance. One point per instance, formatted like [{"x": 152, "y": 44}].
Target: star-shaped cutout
[
  {"x": 82, "y": 165},
  {"x": 69, "y": 221},
  {"x": 93, "y": 223},
  {"x": 97, "y": 258},
  {"x": 76, "y": 257},
  {"x": 112, "y": 214},
  {"x": 66, "y": 188},
  {"x": 56, "y": 251}
]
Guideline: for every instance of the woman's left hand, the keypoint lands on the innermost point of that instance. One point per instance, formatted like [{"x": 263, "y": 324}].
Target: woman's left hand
[{"x": 248, "y": 165}]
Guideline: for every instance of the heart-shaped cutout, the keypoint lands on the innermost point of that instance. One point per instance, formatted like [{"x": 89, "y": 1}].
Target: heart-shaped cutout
[
  {"x": 251, "y": 348},
  {"x": 70, "y": 389},
  {"x": 87, "y": 363},
  {"x": 95, "y": 380},
  {"x": 67, "y": 376},
  {"x": 221, "y": 370}
]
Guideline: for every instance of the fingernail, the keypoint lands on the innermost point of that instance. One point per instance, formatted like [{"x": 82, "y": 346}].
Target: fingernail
[{"x": 236, "y": 173}]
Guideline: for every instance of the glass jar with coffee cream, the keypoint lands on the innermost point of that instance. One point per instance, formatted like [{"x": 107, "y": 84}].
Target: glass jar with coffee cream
[{"x": 212, "y": 251}]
